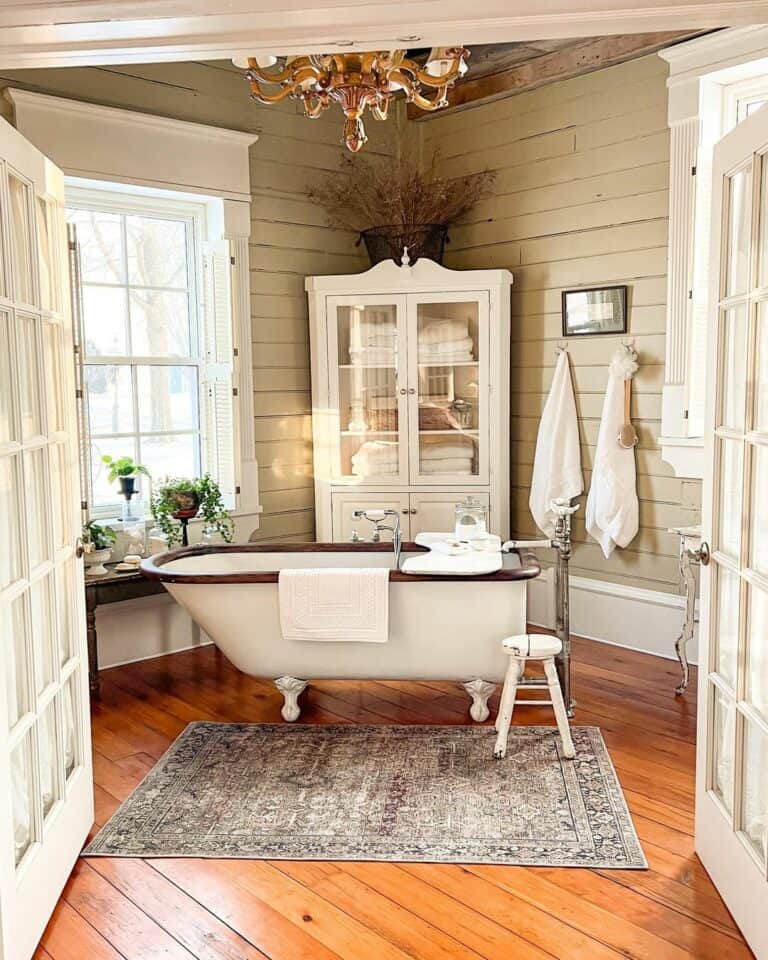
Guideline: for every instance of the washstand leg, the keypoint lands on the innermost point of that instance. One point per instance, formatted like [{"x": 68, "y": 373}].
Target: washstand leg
[
  {"x": 480, "y": 691},
  {"x": 291, "y": 689}
]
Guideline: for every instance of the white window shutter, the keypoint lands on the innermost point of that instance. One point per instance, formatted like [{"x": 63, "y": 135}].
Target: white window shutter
[{"x": 217, "y": 377}]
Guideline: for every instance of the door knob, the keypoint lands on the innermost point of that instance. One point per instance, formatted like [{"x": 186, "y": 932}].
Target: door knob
[
  {"x": 79, "y": 548},
  {"x": 703, "y": 554}
]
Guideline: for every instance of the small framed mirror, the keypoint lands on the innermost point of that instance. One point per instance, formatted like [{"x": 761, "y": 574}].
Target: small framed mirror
[{"x": 595, "y": 310}]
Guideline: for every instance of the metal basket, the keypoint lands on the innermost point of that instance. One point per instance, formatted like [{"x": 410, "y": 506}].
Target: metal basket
[{"x": 423, "y": 240}]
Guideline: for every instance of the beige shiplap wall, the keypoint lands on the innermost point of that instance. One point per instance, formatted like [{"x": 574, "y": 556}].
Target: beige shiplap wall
[
  {"x": 289, "y": 240},
  {"x": 580, "y": 199}
]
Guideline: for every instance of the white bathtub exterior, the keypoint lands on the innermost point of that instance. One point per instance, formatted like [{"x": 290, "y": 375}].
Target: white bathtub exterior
[{"x": 438, "y": 630}]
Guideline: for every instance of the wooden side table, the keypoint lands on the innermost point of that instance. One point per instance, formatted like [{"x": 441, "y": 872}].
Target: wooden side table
[{"x": 112, "y": 587}]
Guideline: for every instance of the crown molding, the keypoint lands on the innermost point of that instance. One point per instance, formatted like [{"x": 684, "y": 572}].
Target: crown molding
[
  {"x": 107, "y": 143},
  {"x": 53, "y": 33}
]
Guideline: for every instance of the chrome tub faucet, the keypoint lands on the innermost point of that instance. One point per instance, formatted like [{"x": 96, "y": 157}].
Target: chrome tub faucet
[{"x": 376, "y": 517}]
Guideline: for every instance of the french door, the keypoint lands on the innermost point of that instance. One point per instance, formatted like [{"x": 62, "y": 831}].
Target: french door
[
  {"x": 46, "y": 794},
  {"x": 732, "y": 758}
]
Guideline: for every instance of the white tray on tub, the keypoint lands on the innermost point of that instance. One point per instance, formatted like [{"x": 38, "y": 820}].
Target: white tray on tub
[{"x": 469, "y": 563}]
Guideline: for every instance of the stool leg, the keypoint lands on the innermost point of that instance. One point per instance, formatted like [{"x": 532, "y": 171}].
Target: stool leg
[
  {"x": 508, "y": 687},
  {"x": 556, "y": 695},
  {"x": 506, "y": 707}
]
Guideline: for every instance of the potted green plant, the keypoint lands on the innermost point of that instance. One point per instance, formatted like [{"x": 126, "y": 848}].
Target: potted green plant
[
  {"x": 125, "y": 470},
  {"x": 97, "y": 541},
  {"x": 396, "y": 205},
  {"x": 176, "y": 501}
]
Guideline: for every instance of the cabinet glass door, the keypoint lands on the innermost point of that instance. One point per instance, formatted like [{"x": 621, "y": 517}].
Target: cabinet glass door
[
  {"x": 448, "y": 390},
  {"x": 366, "y": 338}
]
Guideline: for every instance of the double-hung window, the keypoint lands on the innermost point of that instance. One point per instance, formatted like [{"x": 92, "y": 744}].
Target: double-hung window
[{"x": 156, "y": 341}]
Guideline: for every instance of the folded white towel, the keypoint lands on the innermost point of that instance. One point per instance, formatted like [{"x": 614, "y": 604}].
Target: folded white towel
[
  {"x": 447, "y": 346},
  {"x": 447, "y": 329},
  {"x": 372, "y": 356},
  {"x": 447, "y": 449},
  {"x": 458, "y": 465},
  {"x": 378, "y": 450},
  {"x": 612, "y": 507},
  {"x": 557, "y": 461},
  {"x": 336, "y": 604}
]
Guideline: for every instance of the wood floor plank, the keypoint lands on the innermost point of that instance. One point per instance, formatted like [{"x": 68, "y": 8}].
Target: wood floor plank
[
  {"x": 200, "y": 931},
  {"x": 118, "y": 909},
  {"x": 131, "y": 931},
  {"x": 491, "y": 940},
  {"x": 69, "y": 936},
  {"x": 390, "y": 920}
]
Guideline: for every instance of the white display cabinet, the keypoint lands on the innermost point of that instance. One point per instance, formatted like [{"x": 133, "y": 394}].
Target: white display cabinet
[{"x": 410, "y": 394}]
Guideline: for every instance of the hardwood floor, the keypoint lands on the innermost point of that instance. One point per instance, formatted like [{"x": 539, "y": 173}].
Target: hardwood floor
[{"x": 243, "y": 910}]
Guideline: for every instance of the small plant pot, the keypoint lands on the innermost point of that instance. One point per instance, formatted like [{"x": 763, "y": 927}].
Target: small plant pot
[
  {"x": 187, "y": 505},
  {"x": 127, "y": 486},
  {"x": 95, "y": 560}
]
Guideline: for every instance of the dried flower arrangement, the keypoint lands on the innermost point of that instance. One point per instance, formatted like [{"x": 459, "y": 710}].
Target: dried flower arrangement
[{"x": 392, "y": 203}]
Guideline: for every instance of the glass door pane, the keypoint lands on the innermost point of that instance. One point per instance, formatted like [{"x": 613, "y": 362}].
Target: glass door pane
[
  {"x": 448, "y": 420},
  {"x": 368, "y": 351}
]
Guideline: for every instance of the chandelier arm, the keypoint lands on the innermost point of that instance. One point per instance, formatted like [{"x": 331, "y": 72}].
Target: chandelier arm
[
  {"x": 255, "y": 71},
  {"x": 424, "y": 76},
  {"x": 314, "y": 105},
  {"x": 423, "y": 103},
  {"x": 267, "y": 98},
  {"x": 380, "y": 110}
]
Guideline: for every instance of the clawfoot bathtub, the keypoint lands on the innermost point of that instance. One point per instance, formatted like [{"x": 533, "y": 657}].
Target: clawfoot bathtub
[{"x": 440, "y": 628}]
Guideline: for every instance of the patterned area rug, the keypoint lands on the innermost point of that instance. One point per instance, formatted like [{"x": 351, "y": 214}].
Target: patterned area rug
[{"x": 415, "y": 793}]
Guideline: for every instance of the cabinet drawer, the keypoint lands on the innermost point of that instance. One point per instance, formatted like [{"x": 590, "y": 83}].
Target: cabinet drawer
[
  {"x": 343, "y": 505},
  {"x": 435, "y": 512}
]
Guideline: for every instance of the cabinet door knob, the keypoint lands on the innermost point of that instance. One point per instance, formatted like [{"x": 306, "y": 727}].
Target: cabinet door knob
[
  {"x": 411, "y": 389},
  {"x": 403, "y": 391},
  {"x": 414, "y": 510},
  {"x": 405, "y": 512}
]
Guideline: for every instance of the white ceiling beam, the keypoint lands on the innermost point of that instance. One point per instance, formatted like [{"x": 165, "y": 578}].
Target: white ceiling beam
[{"x": 93, "y": 32}]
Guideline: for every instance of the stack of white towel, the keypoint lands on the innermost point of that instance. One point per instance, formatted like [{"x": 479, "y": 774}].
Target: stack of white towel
[
  {"x": 445, "y": 341},
  {"x": 373, "y": 340},
  {"x": 376, "y": 458},
  {"x": 447, "y": 456}
]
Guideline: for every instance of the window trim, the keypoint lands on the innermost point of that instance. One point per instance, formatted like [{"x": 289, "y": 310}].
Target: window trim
[
  {"x": 193, "y": 216},
  {"x": 129, "y": 149},
  {"x": 703, "y": 73}
]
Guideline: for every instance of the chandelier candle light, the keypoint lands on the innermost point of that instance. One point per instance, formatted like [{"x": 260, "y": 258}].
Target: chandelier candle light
[{"x": 356, "y": 81}]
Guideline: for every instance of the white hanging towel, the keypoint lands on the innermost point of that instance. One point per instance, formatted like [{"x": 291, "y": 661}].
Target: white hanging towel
[
  {"x": 612, "y": 508},
  {"x": 557, "y": 461},
  {"x": 335, "y": 604}
]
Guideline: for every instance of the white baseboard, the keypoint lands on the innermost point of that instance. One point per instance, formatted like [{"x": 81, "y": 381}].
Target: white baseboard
[{"x": 632, "y": 617}]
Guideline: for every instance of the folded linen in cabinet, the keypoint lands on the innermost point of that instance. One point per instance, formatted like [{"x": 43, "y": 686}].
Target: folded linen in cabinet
[
  {"x": 462, "y": 466},
  {"x": 437, "y": 330},
  {"x": 447, "y": 449},
  {"x": 335, "y": 605}
]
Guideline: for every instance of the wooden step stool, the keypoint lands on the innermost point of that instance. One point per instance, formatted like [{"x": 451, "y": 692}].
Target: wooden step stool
[{"x": 521, "y": 649}]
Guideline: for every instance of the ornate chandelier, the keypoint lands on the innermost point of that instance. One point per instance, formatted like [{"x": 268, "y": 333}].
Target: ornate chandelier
[{"x": 357, "y": 81}]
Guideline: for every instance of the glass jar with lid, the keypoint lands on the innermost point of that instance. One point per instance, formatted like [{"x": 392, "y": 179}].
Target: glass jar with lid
[{"x": 471, "y": 520}]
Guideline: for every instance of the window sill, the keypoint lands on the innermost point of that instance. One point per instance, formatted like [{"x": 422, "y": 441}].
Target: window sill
[{"x": 685, "y": 455}]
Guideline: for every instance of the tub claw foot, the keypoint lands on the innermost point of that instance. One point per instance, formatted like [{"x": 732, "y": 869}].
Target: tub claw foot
[
  {"x": 291, "y": 689},
  {"x": 480, "y": 691}
]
